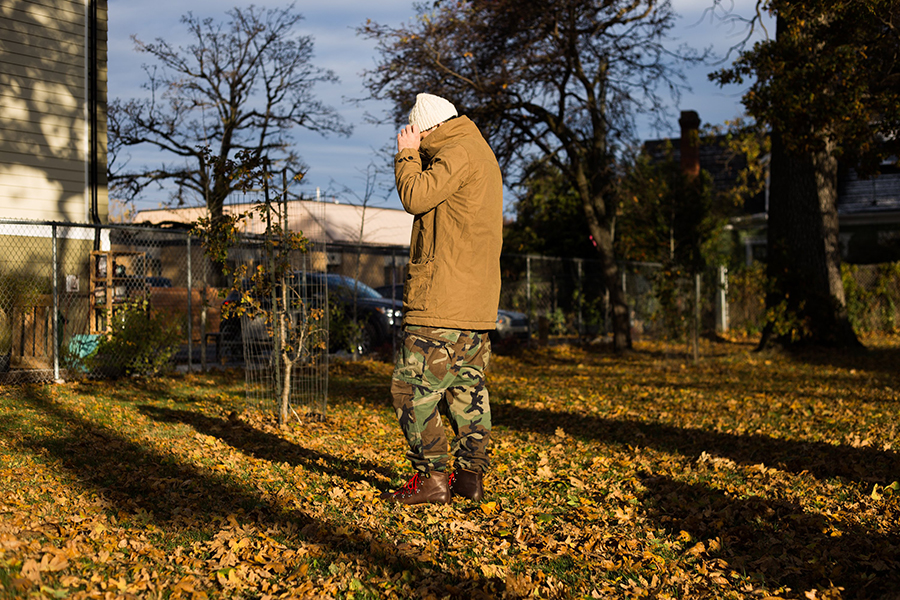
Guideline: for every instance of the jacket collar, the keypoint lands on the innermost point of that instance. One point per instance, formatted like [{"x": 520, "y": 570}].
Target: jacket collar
[{"x": 451, "y": 130}]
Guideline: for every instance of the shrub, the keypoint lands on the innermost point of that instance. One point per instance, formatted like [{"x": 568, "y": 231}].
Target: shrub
[
  {"x": 747, "y": 298},
  {"x": 138, "y": 343},
  {"x": 872, "y": 294}
]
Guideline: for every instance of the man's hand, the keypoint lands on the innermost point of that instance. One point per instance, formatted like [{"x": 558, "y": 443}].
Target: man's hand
[{"x": 409, "y": 138}]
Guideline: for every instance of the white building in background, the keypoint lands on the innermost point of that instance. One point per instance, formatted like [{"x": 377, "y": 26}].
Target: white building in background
[
  {"x": 328, "y": 222},
  {"x": 369, "y": 243}
]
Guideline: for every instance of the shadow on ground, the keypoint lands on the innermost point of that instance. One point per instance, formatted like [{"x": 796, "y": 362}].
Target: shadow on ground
[
  {"x": 823, "y": 460},
  {"x": 268, "y": 446},
  {"x": 777, "y": 542},
  {"x": 183, "y": 499}
]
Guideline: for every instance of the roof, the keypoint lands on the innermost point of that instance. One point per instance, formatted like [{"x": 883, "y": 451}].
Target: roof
[{"x": 319, "y": 221}]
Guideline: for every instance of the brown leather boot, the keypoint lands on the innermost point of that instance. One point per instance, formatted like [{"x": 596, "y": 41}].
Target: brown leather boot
[
  {"x": 467, "y": 484},
  {"x": 433, "y": 488}
]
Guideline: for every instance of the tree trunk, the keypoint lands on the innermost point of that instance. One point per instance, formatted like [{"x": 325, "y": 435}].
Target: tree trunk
[
  {"x": 618, "y": 303},
  {"x": 804, "y": 268}
]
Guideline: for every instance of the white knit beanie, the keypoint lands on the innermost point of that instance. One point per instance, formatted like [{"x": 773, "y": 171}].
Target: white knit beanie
[{"x": 430, "y": 110}]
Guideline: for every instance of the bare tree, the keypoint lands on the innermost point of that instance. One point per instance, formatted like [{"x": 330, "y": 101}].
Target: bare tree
[
  {"x": 242, "y": 85},
  {"x": 559, "y": 82}
]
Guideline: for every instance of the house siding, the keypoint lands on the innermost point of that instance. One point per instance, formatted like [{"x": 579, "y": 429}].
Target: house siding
[
  {"x": 877, "y": 193},
  {"x": 43, "y": 110}
]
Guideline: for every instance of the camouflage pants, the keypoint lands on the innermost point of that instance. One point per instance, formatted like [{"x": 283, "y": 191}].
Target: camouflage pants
[{"x": 441, "y": 372}]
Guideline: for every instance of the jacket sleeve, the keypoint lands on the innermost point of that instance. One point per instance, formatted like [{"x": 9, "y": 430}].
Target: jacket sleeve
[{"x": 422, "y": 190}]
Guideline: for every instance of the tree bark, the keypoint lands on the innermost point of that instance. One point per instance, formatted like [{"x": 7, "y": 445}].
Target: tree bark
[
  {"x": 804, "y": 259},
  {"x": 617, "y": 300},
  {"x": 600, "y": 230}
]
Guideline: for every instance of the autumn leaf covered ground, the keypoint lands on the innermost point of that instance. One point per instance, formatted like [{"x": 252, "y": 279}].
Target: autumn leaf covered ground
[{"x": 745, "y": 476}]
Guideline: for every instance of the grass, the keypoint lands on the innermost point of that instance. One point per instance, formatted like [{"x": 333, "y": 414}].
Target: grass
[{"x": 746, "y": 475}]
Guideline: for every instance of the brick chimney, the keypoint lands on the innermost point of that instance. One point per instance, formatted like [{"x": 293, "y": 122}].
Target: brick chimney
[{"x": 690, "y": 142}]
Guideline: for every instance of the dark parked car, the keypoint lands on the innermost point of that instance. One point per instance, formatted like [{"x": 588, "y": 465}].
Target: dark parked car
[
  {"x": 511, "y": 325},
  {"x": 379, "y": 317},
  {"x": 159, "y": 282}
]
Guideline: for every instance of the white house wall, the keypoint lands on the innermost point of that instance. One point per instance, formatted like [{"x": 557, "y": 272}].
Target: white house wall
[{"x": 43, "y": 110}]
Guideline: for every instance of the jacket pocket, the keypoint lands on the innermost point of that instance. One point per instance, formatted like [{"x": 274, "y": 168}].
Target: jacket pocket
[{"x": 418, "y": 285}]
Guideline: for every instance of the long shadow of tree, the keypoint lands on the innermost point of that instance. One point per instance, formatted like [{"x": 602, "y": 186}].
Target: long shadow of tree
[
  {"x": 872, "y": 360},
  {"x": 267, "y": 446},
  {"x": 777, "y": 541},
  {"x": 180, "y": 497},
  {"x": 821, "y": 459}
]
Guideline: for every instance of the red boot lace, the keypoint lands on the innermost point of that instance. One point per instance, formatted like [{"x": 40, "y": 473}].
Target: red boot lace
[{"x": 412, "y": 486}]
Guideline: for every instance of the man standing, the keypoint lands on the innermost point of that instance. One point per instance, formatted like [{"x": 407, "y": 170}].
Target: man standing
[{"x": 448, "y": 178}]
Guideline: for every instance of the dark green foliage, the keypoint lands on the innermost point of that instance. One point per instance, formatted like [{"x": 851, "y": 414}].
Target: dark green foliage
[
  {"x": 668, "y": 217},
  {"x": 140, "y": 342},
  {"x": 831, "y": 76},
  {"x": 549, "y": 218}
]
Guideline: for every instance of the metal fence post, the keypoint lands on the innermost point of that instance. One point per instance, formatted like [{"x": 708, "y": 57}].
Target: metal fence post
[
  {"x": 722, "y": 299},
  {"x": 580, "y": 318},
  {"x": 697, "y": 297},
  {"x": 203, "y": 330},
  {"x": 190, "y": 309},
  {"x": 55, "y": 293},
  {"x": 528, "y": 289}
]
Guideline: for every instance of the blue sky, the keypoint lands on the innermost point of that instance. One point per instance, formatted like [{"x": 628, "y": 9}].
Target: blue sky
[{"x": 335, "y": 162}]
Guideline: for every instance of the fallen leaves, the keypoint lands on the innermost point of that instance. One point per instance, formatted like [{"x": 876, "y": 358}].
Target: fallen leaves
[
  {"x": 743, "y": 476},
  {"x": 879, "y": 492}
]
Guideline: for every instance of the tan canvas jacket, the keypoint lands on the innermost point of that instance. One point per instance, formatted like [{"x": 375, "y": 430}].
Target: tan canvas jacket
[{"x": 454, "y": 190}]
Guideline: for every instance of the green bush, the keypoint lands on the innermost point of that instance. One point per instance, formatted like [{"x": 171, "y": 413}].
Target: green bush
[
  {"x": 747, "y": 298},
  {"x": 138, "y": 343},
  {"x": 872, "y": 306}
]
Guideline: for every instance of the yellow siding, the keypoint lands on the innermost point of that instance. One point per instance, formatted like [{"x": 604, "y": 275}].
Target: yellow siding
[{"x": 43, "y": 129}]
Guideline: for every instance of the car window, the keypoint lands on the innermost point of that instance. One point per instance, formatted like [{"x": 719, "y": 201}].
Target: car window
[
  {"x": 339, "y": 285},
  {"x": 344, "y": 286}
]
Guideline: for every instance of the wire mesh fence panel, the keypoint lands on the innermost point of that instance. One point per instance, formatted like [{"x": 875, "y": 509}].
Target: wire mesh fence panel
[
  {"x": 284, "y": 337},
  {"x": 77, "y": 344},
  {"x": 640, "y": 282},
  {"x": 126, "y": 300},
  {"x": 872, "y": 295},
  {"x": 746, "y": 293},
  {"x": 26, "y": 302},
  {"x": 566, "y": 297},
  {"x": 285, "y": 350}
]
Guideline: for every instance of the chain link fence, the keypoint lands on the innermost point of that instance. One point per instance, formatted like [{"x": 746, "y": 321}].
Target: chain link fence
[
  {"x": 559, "y": 297},
  {"x": 76, "y": 283},
  {"x": 84, "y": 301},
  {"x": 567, "y": 298},
  {"x": 872, "y": 294},
  {"x": 66, "y": 289}
]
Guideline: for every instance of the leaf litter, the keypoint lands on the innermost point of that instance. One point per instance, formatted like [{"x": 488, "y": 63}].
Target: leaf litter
[{"x": 744, "y": 475}]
